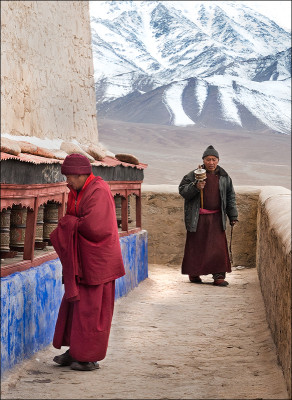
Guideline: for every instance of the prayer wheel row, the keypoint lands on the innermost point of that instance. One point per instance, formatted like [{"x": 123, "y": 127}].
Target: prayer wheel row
[
  {"x": 5, "y": 218},
  {"x": 17, "y": 227},
  {"x": 13, "y": 226},
  {"x": 50, "y": 220}
]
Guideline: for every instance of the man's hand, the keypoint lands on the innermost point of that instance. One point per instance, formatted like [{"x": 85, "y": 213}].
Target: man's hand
[
  {"x": 200, "y": 185},
  {"x": 232, "y": 223}
]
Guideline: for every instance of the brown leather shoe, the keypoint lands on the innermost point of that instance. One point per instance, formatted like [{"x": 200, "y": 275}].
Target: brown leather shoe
[
  {"x": 64, "y": 359},
  {"x": 220, "y": 282},
  {"x": 84, "y": 366},
  {"x": 195, "y": 279}
]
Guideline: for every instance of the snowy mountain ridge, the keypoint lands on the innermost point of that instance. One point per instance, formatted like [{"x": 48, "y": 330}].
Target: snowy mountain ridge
[{"x": 203, "y": 63}]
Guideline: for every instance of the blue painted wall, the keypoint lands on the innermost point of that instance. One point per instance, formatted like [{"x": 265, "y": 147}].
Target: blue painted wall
[
  {"x": 30, "y": 300},
  {"x": 135, "y": 257},
  {"x": 29, "y": 307}
]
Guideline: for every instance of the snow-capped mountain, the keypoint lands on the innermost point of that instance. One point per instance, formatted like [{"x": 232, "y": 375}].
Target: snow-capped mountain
[{"x": 182, "y": 63}]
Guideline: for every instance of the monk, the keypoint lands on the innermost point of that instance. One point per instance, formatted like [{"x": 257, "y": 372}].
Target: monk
[
  {"x": 206, "y": 250},
  {"x": 87, "y": 243}
]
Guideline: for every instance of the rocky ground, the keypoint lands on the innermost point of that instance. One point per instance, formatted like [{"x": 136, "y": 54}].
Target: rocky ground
[{"x": 171, "y": 339}]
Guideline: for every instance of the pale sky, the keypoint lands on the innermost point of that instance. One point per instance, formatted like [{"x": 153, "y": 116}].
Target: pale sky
[{"x": 278, "y": 11}]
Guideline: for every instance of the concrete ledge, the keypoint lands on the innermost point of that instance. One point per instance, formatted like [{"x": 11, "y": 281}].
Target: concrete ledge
[
  {"x": 277, "y": 203},
  {"x": 159, "y": 188}
]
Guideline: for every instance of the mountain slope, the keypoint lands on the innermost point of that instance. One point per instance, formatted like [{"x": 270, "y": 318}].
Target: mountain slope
[{"x": 205, "y": 63}]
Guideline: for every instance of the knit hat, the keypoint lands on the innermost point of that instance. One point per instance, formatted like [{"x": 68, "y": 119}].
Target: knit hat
[
  {"x": 76, "y": 164},
  {"x": 210, "y": 151}
]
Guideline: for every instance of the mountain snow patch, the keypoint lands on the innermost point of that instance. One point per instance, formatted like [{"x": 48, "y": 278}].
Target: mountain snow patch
[{"x": 172, "y": 98}]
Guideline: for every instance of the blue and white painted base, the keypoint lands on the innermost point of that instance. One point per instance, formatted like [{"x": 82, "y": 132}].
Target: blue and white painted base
[
  {"x": 30, "y": 300},
  {"x": 135, "y": 256}
]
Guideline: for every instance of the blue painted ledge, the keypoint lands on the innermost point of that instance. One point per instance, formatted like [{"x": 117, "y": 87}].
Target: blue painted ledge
[{"x": 30, "y": 300}]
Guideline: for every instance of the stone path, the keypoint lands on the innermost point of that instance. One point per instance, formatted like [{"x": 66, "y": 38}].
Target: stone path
[{"x": 171, "y": 339}]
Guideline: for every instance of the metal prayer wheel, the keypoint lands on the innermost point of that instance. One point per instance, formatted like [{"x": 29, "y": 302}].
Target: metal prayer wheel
[
  {"x": 17, "y": 227},
  {"x": 50, "y": 220},
  {"x": 200, "y": 174},
  {"x": 5, "y": 230},
  {"x": 118, "y": 204},
  {"x": 39, "y": 233}
]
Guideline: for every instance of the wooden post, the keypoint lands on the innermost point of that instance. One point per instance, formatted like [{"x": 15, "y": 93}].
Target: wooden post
[
  {"x": 61, "y": 207},
  {"x": 31, "y": 220},
  {"x": 138, "y": 211},
  {"x": 124, "y": 212}
]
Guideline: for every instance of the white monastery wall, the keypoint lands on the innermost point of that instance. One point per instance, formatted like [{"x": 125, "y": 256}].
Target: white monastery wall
[{"x": 47, "y": 84}]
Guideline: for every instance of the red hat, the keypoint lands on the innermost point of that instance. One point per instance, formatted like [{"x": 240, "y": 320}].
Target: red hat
[{"x": 76, "y": 164}]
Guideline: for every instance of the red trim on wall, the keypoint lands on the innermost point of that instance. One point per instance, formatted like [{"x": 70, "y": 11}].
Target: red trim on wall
[{"x": 26, "y": 264}]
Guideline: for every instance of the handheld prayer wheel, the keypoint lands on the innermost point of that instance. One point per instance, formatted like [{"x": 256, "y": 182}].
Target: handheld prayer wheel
[
  {"x": 200, "y": 175},
  {"x": 17, "y": 227},
  {"x": 5, "y": 231},
  {"x": 50, "y": 220}
]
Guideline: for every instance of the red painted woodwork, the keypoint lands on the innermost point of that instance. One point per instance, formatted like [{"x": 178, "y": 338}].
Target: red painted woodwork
[
  {"x": 26, "y": 264},
  {"x": 32, "y": 196},
  {"x": 25, "y": 194},
  {"x": 125, "y": 189}
]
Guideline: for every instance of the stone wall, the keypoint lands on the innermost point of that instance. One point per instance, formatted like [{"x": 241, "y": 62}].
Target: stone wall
[
  {"x": 163, "y": 218},
  {"x": 261, "y": 239},
  {"x": 273, "y": 260},
  {"x": 47, "y": 83}
]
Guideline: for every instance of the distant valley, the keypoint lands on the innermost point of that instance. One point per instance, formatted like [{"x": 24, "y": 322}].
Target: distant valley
[{"x": 251, "y": 158}]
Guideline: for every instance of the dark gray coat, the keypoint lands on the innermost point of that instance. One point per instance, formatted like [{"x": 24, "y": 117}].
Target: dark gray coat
[{"x": 191, "y": 194}]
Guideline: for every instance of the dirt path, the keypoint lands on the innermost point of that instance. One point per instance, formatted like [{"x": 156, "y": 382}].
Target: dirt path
[{"x": 171, "y": 339}]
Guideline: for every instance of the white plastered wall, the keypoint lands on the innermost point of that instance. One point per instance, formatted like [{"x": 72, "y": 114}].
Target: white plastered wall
[{"x": 47, "y": 83}]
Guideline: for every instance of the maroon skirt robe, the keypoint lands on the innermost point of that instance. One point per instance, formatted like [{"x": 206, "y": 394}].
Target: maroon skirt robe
[
  {"x": 85, "y": 325},
  {"x": 206, "y": 250}
]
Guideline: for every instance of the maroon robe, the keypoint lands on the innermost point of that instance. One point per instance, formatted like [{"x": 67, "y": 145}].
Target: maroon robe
[
  {"x": 87, "y": 242},
  {"x": 84, "y": 325},
  {"x": 206, "y": 250}
]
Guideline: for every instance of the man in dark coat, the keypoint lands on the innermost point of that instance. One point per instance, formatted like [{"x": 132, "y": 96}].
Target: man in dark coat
[
  {"x": 206, "y": 250},
  {"x": 87, "y": 243}
]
